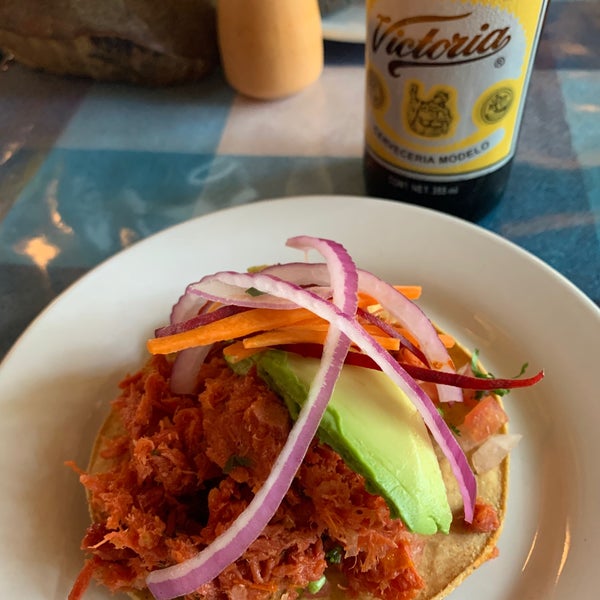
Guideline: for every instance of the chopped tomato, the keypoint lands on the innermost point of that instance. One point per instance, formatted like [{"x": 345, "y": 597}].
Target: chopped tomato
[{"x": 483, "y": 420}]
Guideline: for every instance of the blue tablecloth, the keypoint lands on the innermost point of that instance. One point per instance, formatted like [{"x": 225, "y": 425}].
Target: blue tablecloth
[{"x": 87, "y": 169}]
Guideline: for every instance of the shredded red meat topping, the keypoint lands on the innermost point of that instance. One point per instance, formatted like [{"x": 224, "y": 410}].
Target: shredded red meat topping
[
  {"x": 187, "y": 466},
  {"x": 485, "y": 518}
]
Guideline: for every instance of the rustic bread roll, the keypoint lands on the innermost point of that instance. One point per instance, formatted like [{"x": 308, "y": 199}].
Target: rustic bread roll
[{"x": 138, "y": 41}]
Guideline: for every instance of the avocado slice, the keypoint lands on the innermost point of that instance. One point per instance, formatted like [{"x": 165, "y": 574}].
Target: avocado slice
[{"x": 378, "y": 432}]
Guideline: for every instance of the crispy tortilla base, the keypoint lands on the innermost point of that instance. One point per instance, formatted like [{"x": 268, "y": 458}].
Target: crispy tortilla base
[{"x": 446, "y": 560}]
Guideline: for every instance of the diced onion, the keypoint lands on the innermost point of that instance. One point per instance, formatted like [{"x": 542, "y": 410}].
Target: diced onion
[{"x": 493, "y": 451}]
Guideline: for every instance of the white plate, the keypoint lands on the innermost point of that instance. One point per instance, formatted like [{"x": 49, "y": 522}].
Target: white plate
[
  {"x": 57, "y": 380},
  {"x": 347, "y": 24}
]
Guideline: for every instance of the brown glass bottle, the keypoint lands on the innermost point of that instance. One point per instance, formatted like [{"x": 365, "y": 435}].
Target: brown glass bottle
[
  {"x": 470, "y": 198},
  {"x": 445, "y": 89}
]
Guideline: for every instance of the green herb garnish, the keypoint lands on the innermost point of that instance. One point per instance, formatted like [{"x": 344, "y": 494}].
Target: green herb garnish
[
  {"x": 236, "y": 461},
  {"x": 335, "y": 555},
  {"x": 315, "y": 586},
  {"x": 478, "y": 372},
  {"x": 252, "y": 291}
]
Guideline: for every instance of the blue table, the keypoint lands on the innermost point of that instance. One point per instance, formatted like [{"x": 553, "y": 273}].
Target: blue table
[{"x": 87, "y": 169}]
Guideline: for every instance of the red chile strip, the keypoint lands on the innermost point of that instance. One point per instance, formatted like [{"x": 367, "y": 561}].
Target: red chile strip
[{"x": 466, "y": 382}]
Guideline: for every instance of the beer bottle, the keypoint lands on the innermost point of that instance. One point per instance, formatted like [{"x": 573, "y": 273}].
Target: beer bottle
[{"x": 445, "y": 88}]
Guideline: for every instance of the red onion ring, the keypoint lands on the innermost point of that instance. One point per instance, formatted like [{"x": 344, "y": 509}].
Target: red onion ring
[
  {"x": 404, "y": 310},
  {"x": 186, "y": 307},
  {"x": 188, "y": 576},
  {"x": 185, "y": 369},
  {"x": 187, "y": 363},
  {"x": 387, "y": 328}
]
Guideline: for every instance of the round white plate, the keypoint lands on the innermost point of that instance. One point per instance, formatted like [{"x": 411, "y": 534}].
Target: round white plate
[
  {"x": 56, "y": 382},
  {"x": 347, "y": 24}
]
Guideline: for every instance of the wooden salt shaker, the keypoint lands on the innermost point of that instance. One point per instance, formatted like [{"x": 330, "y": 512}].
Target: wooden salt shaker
[{"x": 270, "y": 48}]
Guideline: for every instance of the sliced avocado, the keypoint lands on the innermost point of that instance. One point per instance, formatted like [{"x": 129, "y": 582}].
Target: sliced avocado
[{"x": 376, "y": 429}]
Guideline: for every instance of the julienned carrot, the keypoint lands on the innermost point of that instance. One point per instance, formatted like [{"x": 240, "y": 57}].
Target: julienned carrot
[
  {"x": 318, "y": 324},
  {"x": 236, "y": 351},
  {"x": 412, "y": 292},
  {"x": 279, "y": 326},
  {"x": 229, "y": 328},
  {"x": 290, "y": 335},
  {"x": 447, "y": 340}
]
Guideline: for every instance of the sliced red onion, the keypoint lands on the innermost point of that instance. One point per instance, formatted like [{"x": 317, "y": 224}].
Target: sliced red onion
[
  {"x": 401, "y": 308},
  {"x": 343, "y": 278},
  {"x": 409, "y": 315},
  {"x": 247, "y": 298},
  {"x": 187, "y": 363},
  {"x": 184, "y": 373},
  {"x": 188, "y": 576},
  {"x": 301, "y": 273},
  {"x": 387, "y": 328},
  {"x": 348, "y": 325},
  {"x": 186, "y": 307}
]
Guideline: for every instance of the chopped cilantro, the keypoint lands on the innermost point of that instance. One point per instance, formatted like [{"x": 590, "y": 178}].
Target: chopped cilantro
[
  {"x": 478, "y": 372},
  {"x": 334, "y": 556},
  {"x": 252, "y": 291},
  {"x": 454, "y": 429},
  {"x": 524, "y": 367},
  {"x": 450, "y": 425},
  {"x": 315, "y": 586},
  {"x": 257, "y": 268},
  {"x": 236, "y": 461}
]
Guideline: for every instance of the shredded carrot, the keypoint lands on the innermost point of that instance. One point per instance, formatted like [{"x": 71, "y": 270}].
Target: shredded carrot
[
  {"x": 235, "y": 326},
  {"x": 274, "y": 327},
  {"x": 318, "y": 324},
  {"x": 412, "y": 292},
  {"x": 237, "y": 352},
  {"x": 83, "y": 580},
  {"x": 408, "y": 335},
  {"x": 447, "y": 340},
  {"x": 290, "y": 335}
]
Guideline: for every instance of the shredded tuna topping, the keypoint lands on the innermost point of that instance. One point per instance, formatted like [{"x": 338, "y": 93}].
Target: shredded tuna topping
[{"x": 184, "y": 467}]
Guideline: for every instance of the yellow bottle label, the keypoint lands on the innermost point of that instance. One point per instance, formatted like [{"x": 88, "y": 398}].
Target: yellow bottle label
[{"x": 446, "y": 83}]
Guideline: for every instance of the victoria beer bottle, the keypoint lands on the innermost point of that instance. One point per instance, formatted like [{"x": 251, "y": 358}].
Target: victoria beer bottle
[{"x": 446, "y": 82}]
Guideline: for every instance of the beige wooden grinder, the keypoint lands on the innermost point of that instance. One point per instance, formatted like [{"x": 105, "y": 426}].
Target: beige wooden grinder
[{"x": 270, "y": 48}]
